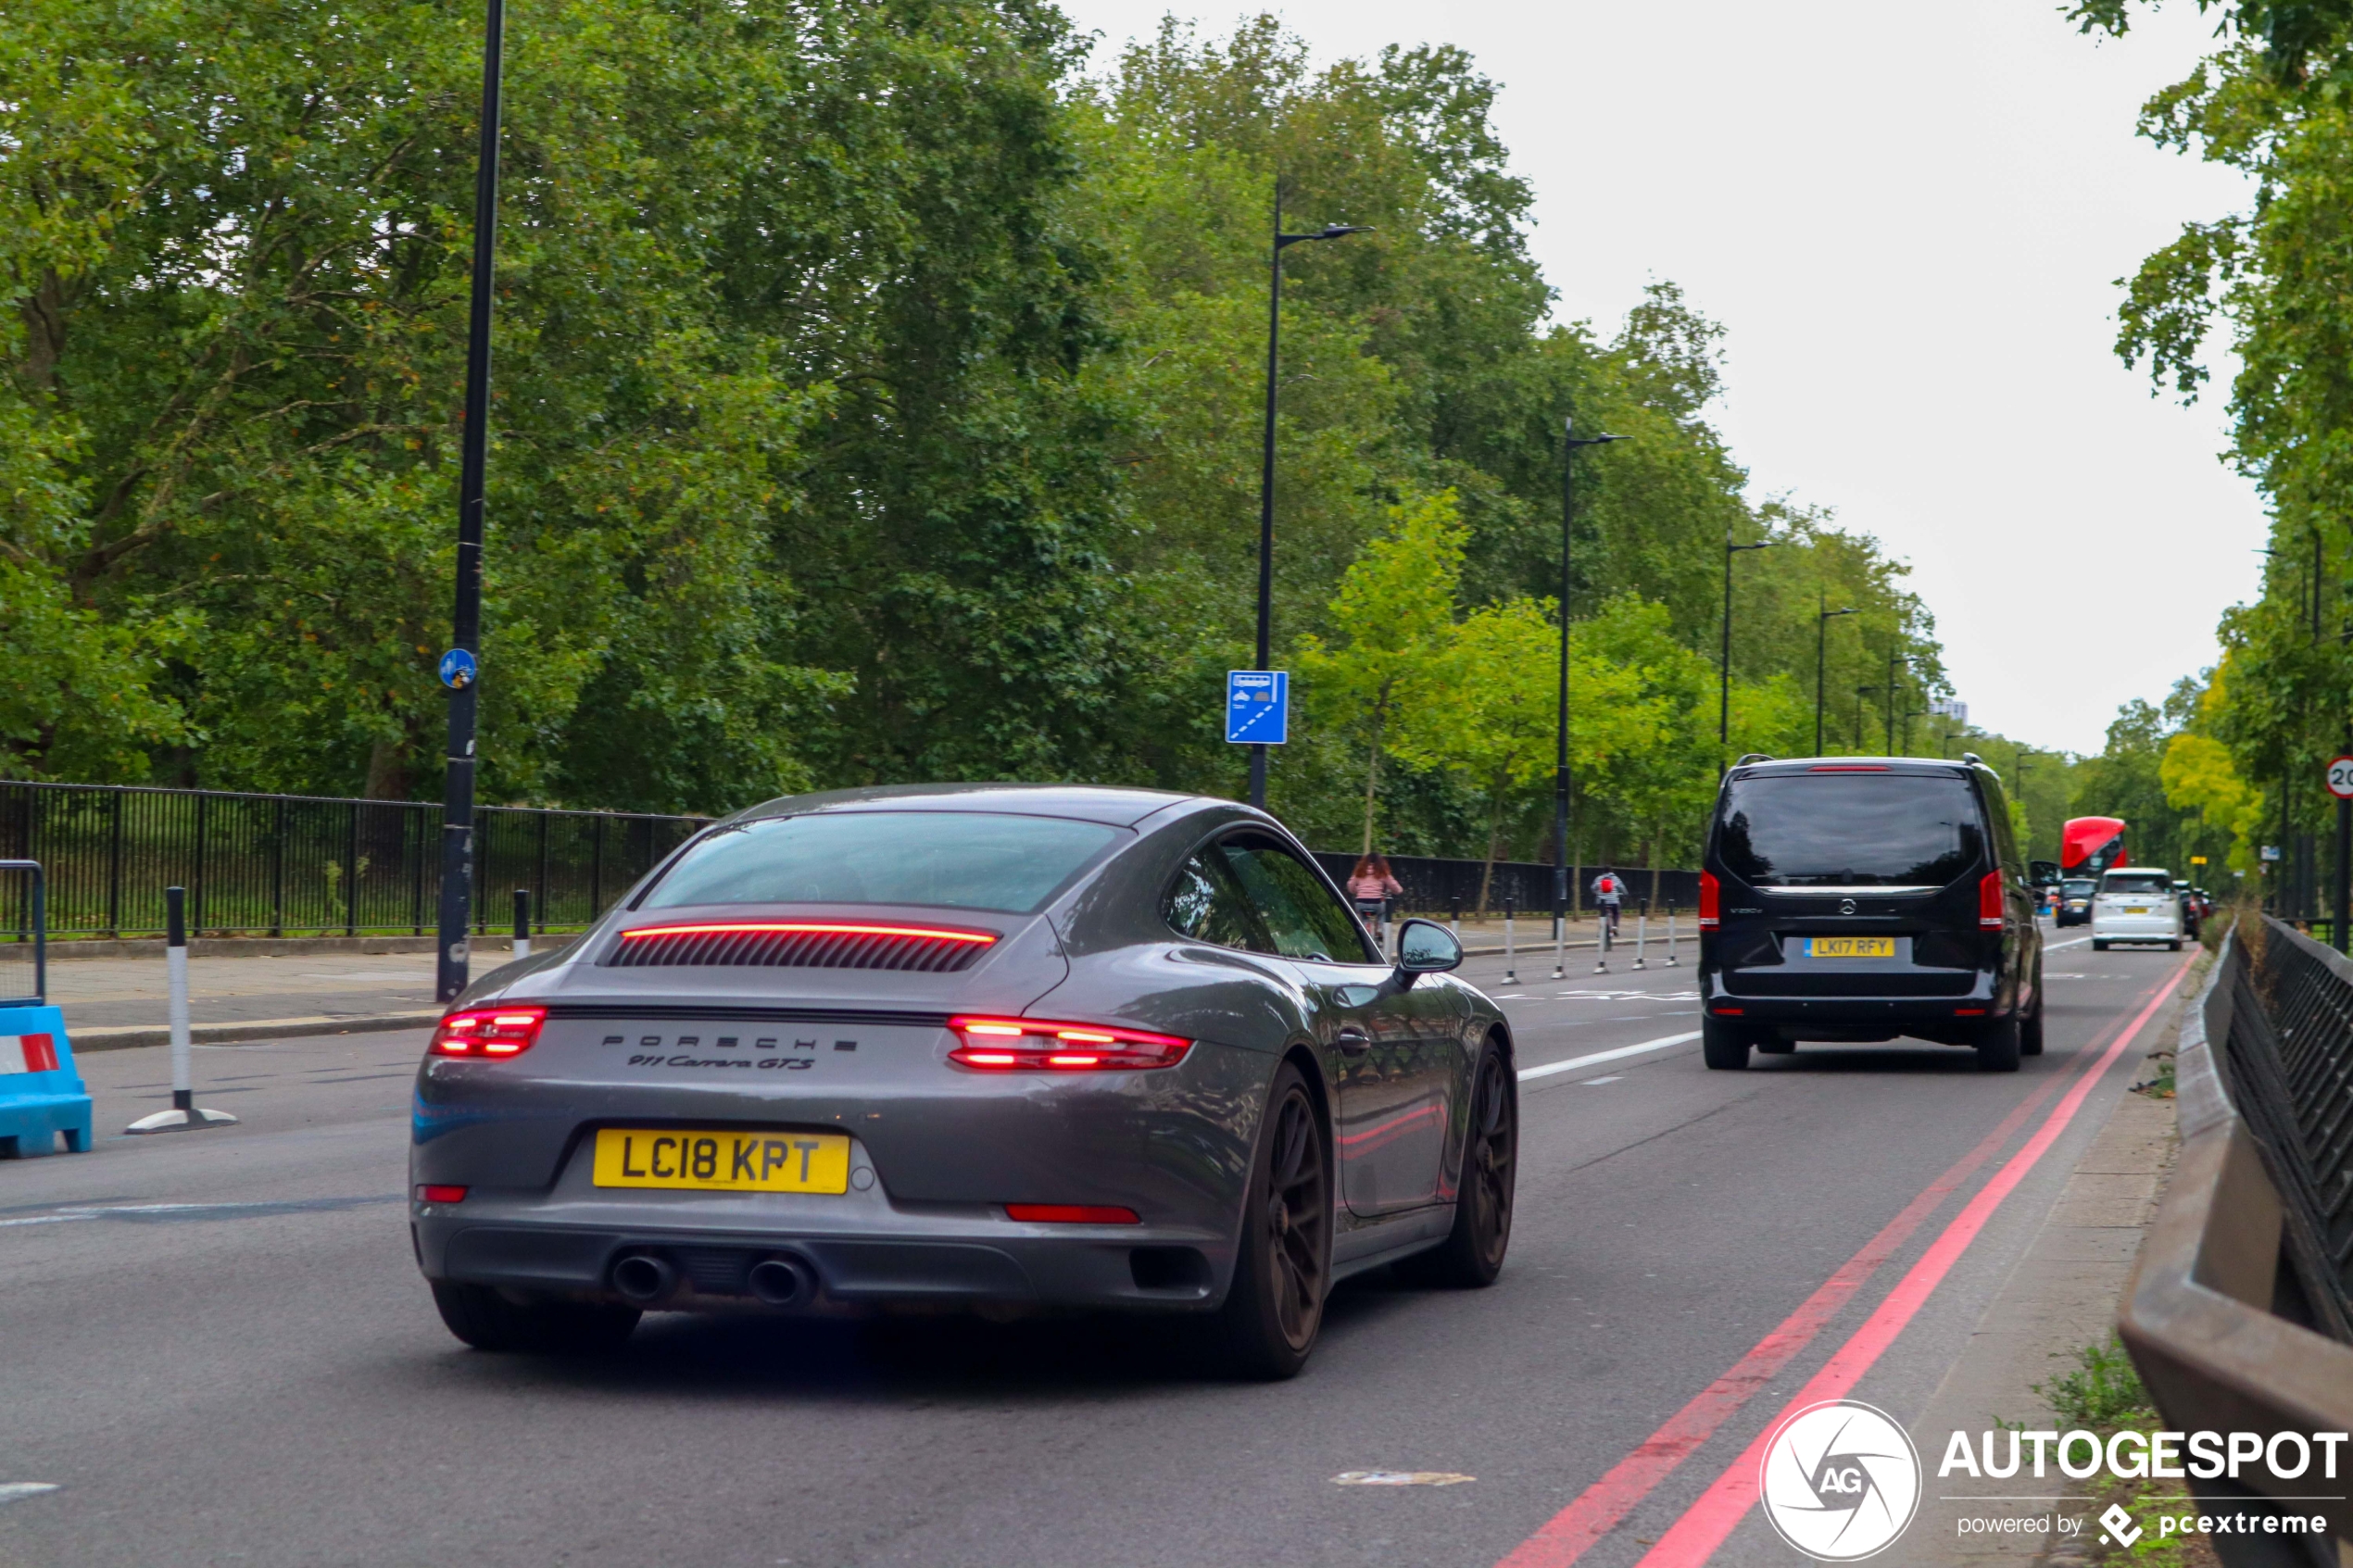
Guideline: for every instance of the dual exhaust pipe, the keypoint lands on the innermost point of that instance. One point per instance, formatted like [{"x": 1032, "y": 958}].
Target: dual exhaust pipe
[{"x": 645, "y": 1278}]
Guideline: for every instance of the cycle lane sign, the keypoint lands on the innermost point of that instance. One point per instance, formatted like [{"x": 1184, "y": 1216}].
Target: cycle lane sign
[{"x": 1257, "y": 707}]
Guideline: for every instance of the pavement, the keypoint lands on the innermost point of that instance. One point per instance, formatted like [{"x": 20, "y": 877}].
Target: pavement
[
  {"x": 214, "y": 1345},
  {"x": 113, "y": 1003}
]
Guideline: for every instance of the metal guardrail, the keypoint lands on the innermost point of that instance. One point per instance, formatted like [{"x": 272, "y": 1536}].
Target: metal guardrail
[{"x": 2238, "y": 1315}]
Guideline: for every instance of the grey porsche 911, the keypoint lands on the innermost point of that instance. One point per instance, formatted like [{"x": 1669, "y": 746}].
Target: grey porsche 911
[{"x": 999, "y": 1047}]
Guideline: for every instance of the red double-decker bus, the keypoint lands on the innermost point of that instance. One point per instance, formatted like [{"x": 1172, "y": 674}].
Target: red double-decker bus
[{"x": 2089, "y": 845}]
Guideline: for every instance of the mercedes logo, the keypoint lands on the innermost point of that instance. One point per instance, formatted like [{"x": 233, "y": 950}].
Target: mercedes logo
[{"x": 1846, "y": 906}]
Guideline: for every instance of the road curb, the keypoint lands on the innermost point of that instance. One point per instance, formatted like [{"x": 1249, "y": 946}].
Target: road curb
[{"x": 135, "y": 1035}]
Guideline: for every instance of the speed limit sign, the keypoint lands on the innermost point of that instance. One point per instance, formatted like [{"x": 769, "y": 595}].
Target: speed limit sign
[{"x": 2341, "y": 777}]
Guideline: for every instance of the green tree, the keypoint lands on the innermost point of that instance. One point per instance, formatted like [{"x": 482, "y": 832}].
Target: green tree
[{"x": 1395, "y": 612}]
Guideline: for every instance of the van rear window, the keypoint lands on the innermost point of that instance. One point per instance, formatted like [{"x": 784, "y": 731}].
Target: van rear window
[
  {"x": 2137, "y": 882},
  {"x": 1850, "y": 830}
]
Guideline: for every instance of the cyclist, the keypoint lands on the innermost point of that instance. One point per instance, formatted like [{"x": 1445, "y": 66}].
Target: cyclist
[{"x": 1609, "y": 891}]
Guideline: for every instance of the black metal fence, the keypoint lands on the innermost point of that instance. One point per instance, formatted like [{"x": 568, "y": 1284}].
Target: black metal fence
[
  {"x": 1434, "y": 885},
  {"x": 302, "y": 865},
  {"x": 283, "y": 865}
]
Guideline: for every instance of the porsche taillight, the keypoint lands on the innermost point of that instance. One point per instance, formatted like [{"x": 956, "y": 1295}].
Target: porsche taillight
[
  {"x": 1030, "y": 1045},
  {"x": 1711, "y": 898},
  {"x": 487, "y": 1032},
  {"x": 1989, "y": 901}
]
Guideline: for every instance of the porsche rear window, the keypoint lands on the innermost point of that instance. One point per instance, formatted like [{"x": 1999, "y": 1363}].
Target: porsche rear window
[{"x": 956, "y": 859}]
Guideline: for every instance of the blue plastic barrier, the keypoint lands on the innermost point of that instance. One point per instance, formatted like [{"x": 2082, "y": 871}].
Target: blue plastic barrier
[{"x": 41, "y": 1095}]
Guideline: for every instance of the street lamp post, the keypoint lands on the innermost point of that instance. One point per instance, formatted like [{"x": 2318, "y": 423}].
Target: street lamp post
[
  {"x": 1266, "y": 471},
  {"x": 451, "y": 957},
  {"x": 1860, "y": 693},
  {"x": 1571, "y": 442},
  {"x": 1895, "y": 658},
  {"x": 1822, "y": 619},
  {"x": 1724, "y": 698}
]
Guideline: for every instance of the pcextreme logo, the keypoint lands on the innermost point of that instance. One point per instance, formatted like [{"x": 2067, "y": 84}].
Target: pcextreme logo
[{"x": 1840, "y": 1481}]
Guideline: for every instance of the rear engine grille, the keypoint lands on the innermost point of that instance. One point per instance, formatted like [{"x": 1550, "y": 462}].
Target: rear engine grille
[
  {"x": 1798, "y": 983},
  {"x": 785, "y": 947}
]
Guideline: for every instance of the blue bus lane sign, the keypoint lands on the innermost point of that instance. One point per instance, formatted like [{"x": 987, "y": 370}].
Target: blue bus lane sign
[{"x": 1257, "y": 707}]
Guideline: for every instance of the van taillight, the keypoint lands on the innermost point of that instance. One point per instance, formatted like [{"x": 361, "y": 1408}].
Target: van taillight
[
  {"x": 1989, "y": 901},
  {"x": 1710, "y": 899}
]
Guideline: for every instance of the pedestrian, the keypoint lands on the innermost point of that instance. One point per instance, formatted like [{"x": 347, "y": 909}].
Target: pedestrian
[
  {"x": 1371, "y": 885},
  {"x": 1609, "y": 891}
]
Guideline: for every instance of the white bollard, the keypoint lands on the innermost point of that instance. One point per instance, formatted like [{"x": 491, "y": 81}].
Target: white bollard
[
  {"x": 1511, "y": 965},
  {"x": 1642, "y": 939},
  {"x": 1670, "y": 936},
  {"x": 1602, "y": 945},
  {"x": 185, "y": 1112},
  {"x": 1560, "y": 944},
  {"x": 522, "y": 923}
]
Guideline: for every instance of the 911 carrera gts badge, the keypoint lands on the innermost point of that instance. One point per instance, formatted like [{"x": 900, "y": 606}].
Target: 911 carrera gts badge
[{"x": 649, "y": 1052}]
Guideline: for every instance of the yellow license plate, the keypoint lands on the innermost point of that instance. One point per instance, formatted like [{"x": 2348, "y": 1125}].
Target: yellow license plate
[
  {"x": 1850, "y": 946},
  {"x": 2136, "y": 910},
  {"x": 713, "y": 1162}
]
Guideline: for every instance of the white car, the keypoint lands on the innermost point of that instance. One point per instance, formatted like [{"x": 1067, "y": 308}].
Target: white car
[{"x": 2136, "y": 904}]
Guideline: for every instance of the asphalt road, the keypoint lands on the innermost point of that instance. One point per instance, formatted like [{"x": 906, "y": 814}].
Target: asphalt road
[{"x": 216, "y": 1348}]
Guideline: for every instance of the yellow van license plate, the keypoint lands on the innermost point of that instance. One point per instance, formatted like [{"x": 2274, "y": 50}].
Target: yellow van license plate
[
  {"x": 641, "y": 1157},
  {"x": 1850, "y": 946}
]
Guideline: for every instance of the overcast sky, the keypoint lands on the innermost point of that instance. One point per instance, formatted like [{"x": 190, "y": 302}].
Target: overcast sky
[{"x": 1910, "y": 219}]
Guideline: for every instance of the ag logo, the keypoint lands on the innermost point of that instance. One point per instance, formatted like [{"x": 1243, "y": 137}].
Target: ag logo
[{"x": 1839, "y": 1481}]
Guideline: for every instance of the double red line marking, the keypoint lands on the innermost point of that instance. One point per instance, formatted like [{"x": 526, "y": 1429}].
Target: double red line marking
[{"x": 1693, "y": 1537}]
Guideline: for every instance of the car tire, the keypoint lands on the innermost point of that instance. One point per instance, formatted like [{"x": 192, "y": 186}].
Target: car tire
[
  {"x": 1724, "y": 1047},
  {"x": 1997, "y": 1046},
  {"x": 489, "y": 1319},
  {"x": 2098, "y": 945},
  {"x": 1472, "y": 1254},
  {"x": 2174, "y": 946},
  {"x": 1273, "y": 1311},
  {"x": 2030, "y": 1032},
  {"x": 1773, "y": 1044}
]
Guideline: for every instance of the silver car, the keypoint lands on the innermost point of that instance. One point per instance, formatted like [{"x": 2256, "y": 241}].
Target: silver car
[{"x": 1001, "y": 1046}]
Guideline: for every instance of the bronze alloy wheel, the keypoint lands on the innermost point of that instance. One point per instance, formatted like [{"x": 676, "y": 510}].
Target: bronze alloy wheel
[
  {"x": 1276, "y": 1306},
  {"x": 1472, "y": 1254},
  {"x": 1298, "y": 1218},
  {"x": 1489, "y": 1165}
]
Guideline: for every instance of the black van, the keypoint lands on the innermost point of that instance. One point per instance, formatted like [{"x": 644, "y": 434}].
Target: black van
[{"x": 1856, "y": 898}]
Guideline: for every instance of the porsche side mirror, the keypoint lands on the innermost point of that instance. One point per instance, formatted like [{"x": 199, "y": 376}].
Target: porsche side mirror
[{"x": 1424, "y": 947}]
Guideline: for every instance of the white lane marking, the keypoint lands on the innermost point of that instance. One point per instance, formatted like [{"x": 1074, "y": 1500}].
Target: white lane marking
[
  {"x": 1617, "y": 1055},
  {"x": 11, "y": 1490},
  {"x": 200, "y": 1211},
  {"x": 2055, "y": 947},
  {"x": 1625, "y": 996},
  {"x": 1606, "y": 1078},
  {"x": 1401, "y": 1478}
]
